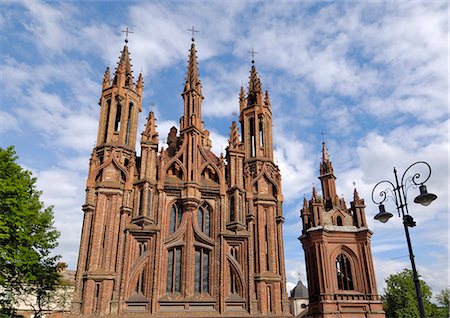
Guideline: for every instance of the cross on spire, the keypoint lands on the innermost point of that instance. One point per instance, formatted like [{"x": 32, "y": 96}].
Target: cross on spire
[
  {"x": 127, "y": 31},
  {"x": 323, "y": 136},
  {"x": 193, "y": 30},
  {"x": 253, "y": 52}
]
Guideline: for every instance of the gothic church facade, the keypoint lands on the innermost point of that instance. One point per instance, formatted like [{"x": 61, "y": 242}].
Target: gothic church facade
[{"x": 179, "y": 230}]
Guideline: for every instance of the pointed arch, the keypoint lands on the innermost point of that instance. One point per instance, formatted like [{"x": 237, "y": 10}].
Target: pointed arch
[
  {"x": 112, "y": 158},
  {"x": 175, "y": 217},
  {"x": 209, "y": 173},
  {"x": 175, "y": 169},
  {"x": 338, "y": 218},
  {"x": 265, "y": 174},
  {"x": 346, "y": 268},
  {"x": 213, "y": 168},
  {"x": 235, "y": 284}
]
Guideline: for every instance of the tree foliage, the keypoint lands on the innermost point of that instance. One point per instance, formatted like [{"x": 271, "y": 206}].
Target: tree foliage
[
  {"x": 443, "y": 299},
  {"x": 27, "y": 236},
  {"x": 400, "y": 301}
]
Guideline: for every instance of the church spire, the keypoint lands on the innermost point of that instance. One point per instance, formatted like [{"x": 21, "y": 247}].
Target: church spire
[
  {"x": 255, "y": 94},
  {"x": 192, "y": 94},
  {"x": 327, "y": 179},
  {"x": 124, "y": 74},
  {"x": 192, "y": 79}
]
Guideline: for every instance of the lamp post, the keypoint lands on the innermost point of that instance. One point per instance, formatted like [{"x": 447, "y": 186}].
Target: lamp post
[{"x": 398, "y": 193}]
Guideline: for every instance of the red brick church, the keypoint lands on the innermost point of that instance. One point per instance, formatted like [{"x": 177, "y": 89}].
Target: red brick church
[{"x": 182, "y": 232}]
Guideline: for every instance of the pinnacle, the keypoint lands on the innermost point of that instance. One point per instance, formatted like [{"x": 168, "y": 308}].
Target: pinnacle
[
  {"x": 254, "y": 84},
  {"x": 124, "y": 67},
  {"x": 192, "y": 79},
  {"x": 150, "y": 132},
  {"x": 234, "y": 135},
  {"x": 325, "y": 156}
]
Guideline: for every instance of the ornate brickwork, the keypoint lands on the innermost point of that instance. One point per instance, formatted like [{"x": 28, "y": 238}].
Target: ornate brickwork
[
  {"x": 336, "y": 241},
  {"x": 180, "y": 231}
]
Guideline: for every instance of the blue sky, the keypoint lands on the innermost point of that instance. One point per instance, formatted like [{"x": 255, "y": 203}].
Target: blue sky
[{"x": 372, "y": 75}]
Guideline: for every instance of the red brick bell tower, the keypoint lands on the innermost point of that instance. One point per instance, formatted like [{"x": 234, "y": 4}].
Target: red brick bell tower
[{"x": 336, "y": 242}]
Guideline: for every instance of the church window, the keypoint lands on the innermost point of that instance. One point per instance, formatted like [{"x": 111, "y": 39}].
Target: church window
[
  {"x": 252, "y": 137},
  {"x": 175, "y": 217},
  {"x": 204, "y": 219},
  {"x": 149, "y": 202},
  {"x": 261, "y": 134},
  {"x": 127, "y": 137},
  {"x": 344, "y": 273},
  {"x": 339, "y": 220},
  {"x": 232, "y": 213},
  {"x": 108, "y": 110},
  {"x": 174, "y": 271},
  {"x": 201, "y": 276},
  {"x": 141, "y": 201},
  {"x": 118, "y": 115}
]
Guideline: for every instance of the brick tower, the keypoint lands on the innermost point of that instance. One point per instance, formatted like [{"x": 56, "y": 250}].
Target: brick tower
[
  {"x": 180, "y": 231},
  {"x": 336, "y": 241}
]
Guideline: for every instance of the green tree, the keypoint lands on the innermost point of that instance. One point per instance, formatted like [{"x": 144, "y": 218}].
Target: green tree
[
  {"x": 27, "y": 237},
  {"x": 400, "y": 301},
  {"x": 443, "y": 299}
]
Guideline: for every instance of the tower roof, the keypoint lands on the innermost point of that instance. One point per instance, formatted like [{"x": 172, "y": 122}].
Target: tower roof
[
  {"x": 325, "y": 166},
  {"x": 124, "y": 67},
  {"x": 300, "y": 291},
  {"x": 254, "y": 84},
  {"x": 192, "y": 78}
]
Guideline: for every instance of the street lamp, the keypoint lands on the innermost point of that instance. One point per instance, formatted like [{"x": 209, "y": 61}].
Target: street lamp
[{"x": 398, "y": 193}]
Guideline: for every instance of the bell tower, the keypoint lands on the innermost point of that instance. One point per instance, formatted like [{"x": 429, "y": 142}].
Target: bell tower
[
  {"x": 262, "y": 184},
  {"x": 336, "y": 242},
  {"x": 109, "y": 191}
]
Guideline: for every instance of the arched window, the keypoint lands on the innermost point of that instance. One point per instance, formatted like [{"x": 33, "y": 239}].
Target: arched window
[
  {"x": 232, "y": 213},
  {"x": 261, "y": 133},
  {"x": 252, "y": 137},
  {"x": 204, "y": 219},
  {"x": 344, "y": 272},
  {"x": 118, "y": 115},
  {"x": 108, "y": 110},
  {"x": 175, "y": 217},
  {"x": 174, "y": 270},
  {"x": 127, "y": 137},
  {"x": 141, "y": 201},
  {"x": 339, "y": 220},
  {"x": 149, "y": 202},
  {"x": 201, "y": 277}
]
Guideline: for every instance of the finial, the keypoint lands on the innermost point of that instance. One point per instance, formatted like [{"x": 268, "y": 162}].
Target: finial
[
  {"x": 252, "y": 52},
  {"x": 193, "y": 30},
  {"x": 127, "y": 31},
  {"x": 323, "y": 136}
]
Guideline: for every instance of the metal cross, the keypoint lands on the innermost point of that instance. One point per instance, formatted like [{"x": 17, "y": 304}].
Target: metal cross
[
  {"x": 252, "y": 52},
  {"x": 193, "y": 30},
  {"x": 323, "y": 136},
  {"x": 126, "y": 32}
]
